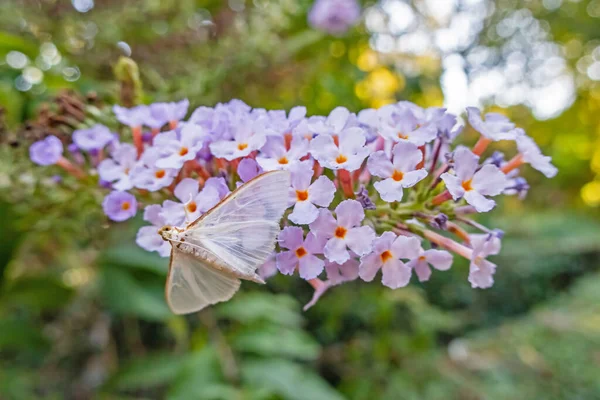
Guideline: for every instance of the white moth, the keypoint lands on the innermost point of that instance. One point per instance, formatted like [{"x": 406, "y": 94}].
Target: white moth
[{"x": 226, "y": 244}]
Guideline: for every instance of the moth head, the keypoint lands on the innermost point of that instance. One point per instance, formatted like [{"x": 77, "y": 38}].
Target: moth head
[{"x": 169, "y": 232}]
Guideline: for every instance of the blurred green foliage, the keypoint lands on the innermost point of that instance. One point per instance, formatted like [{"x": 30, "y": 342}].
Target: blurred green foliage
[{"x": 82, "y": 313}]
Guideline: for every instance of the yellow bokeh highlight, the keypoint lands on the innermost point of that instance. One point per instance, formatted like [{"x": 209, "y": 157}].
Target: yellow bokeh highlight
[
  {"x": 590, "y": 193},
  {"x": 379, "y": 87},
  {"x": 367, "y": 60}
]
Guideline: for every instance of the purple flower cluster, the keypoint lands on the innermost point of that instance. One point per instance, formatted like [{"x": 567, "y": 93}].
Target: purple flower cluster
[
  {"x": 368, "y": 191},
  {"x": 334, "y": 16}
]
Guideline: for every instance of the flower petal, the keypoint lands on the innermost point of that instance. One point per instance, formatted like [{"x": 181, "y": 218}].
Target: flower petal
[
  {"x": 349, "y": 213},
  {"x": 321, "y": 192},
  {"x": 324, "y": 226},
  {"x": 413, "y": 177},
  {"x": 380, "y": 165},
  {"x": 406, "y": 156},
  {"x": 360, "y": 240},
  {"x": 454, "y": 185},
  {"x": 335, "y": 250},
  {"x": 479, "y": 201},
  {"x": 286, "y": 262},
  {"x": 489, "y": 180},
  {"x": 186, "y": 189},
  {"x": 304, "y": 213},
  {"x": 406, "y": 247},
  {"x": 310, "y": 267},
  {"x": 439, "y": 259},
  {"x": 389, "y": 190},
  {"x": 291, "y": 237},
  {"x": 369, "y": 265},
  {"x": 465, "y": 163},
  {"x": 395, "y": 274}
]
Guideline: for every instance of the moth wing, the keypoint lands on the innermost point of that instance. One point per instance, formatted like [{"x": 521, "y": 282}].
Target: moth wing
[
  {"x": 241, "y": 230},
  {"x": 193, "y": 285}
]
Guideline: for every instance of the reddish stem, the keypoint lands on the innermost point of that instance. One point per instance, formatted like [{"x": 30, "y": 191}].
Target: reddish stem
[
  {"x": 481, "y": 145},
  {"x": 441, "y": 198},
  {"x": 70, "y": 168},
  {"x": 172, "y": 125},
  {"x": 448, "y": 244},
  {"x": 136, "y": 131},
  {"x": 345, "y": 179},
  {"x": 513, "y": 163},
  {"x": 422, "y": 163}
]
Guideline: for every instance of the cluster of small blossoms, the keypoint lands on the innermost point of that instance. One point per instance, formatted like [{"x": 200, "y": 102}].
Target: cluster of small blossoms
[{"x": 369, "y": 192}]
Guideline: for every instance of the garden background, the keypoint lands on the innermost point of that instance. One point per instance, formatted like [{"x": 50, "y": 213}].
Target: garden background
[{"x": 82, "y": 313}]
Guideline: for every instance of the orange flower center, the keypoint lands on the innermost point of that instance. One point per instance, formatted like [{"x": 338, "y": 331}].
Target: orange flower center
[
  {"x": 192, "y": 207},
  {"x": 183, "y": 151},
  {"x": 126, "y": 171},
  {"x": 125, "y": 206},
  {"x": 283, "y": 160},
  {"x": 467, "y": 185},
  {"x": 340, "y": 232},
  {"x": 397, "y": 175},
  {"x": 300, "y": 252},
  {"x": 341, "y": 159},
  {"x": 422, "y": 258},
  {"x": 242, "y": 146},
  {"x": 160, "y": 174},
  {"x": 301, "y": 195},
  {"x": 386, "y": 255},
  {"x": 402, "y": 136}
]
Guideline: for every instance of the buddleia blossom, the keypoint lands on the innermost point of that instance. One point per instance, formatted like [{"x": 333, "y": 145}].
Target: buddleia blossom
[
  {"x": 300, "y": 253},
  {"x": 398, "y": 173},
  {"x": 393, "y": 170},
  {"x": 334, "y": 16},
  {"x": 305, "y": 197},
  {"x": 119, "y": 206},
  {"x": 474, "y": 183},
  {"x": 388, "y": 254},
  {"x": 343, "y": 232},
  {"x": 94, "y": 138},
  {"x": 117, "y": 168}
]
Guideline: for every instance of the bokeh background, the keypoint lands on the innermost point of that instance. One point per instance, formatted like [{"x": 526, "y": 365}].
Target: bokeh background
[{"x": 81, "y": 307}]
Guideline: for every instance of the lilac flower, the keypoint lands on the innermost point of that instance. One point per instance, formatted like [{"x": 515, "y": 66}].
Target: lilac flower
[
  {"x": 438, "y": 259},
  {"x": 334, "y": 16},
  {"x": 481, "y": 271},
  {"x": 176, "y": 148},
  {"x": 495, "y": 127},
  {"x": 193, "y": 201},
  {"x": 248, "y": 169},
  {"x": 399, "y": 123},
  {"x": 247, "y": 137},
  {"x": 94, "y": 138},
  {"x": 304, "y": 196},
  {"x": 344, "y": 232},
  {"x": 214, "y": 121},
  {"x": 280, "y": 124},
  {"x": 399, "y": 173},
  {"x": 340, "y": 273},
  {"x": 300, "y": 254},
  {"x": 134, "y": 117},
  {"x": 473, "y": 184},
  {"x": 117, "y": 168},
  {"x": 269, "y": 268},
  {"x": 146, "y": 175},
  {"x": 349, "y": 155},
  {"x": 119, "y": 206},
  {"x": 335, "y": 124},
  {"x": 147, "y": 237},
  {"x": 47, "y": 151},
  {"x": 388, "y": 250},
  {"x": 274, "y": 155},
  {"x": 532, "y": 155},
  {"x": 170, "y": 113}
]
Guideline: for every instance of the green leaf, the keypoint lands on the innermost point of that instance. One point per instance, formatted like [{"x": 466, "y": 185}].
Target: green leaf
[
  {"x": 199, "y": 378},
  {"x": 133, "y": 257},
  {"x": 39, "y": 292},
  {"x": 124, "y": 294},
  {"x": 19, "y": 334},
  {"x": 147, "y": 372},
  {"x": 277, "y": 341},
  {"x": 262, "y": 307},
  {"x": 287, "y": 379}
]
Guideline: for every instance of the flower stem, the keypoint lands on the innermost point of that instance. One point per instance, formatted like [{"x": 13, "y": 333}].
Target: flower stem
[
  {"x": 447, "y": 243},
  {"x": 136, "y": 132},
  {"x": 513, "y": 163},
  {"x": 70, "y": 168},
  {"x": 345, "y": 180},
  {"x": 481, "y": 145},
  {"x": 441, "y": 198}
]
